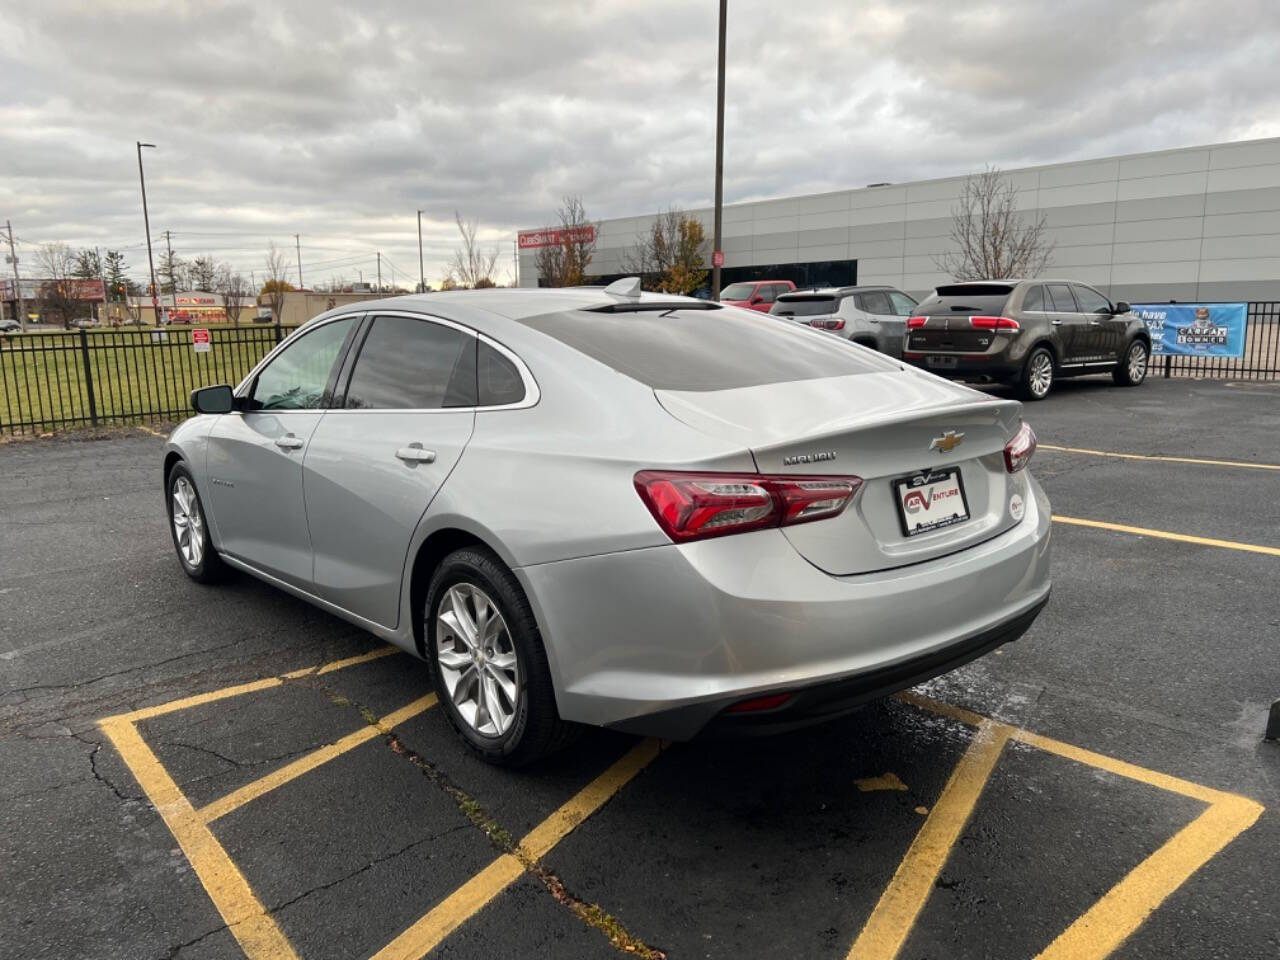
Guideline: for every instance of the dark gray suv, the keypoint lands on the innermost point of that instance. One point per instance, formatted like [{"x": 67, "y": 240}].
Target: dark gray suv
[{"x": 1026, "y": 333}]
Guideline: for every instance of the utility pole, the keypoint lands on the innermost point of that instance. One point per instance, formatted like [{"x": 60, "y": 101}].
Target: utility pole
[
  {"x": 173, "y": 283},
  {"x": 17, "y": 282},
  {"x": 515, "y": 259},
  {"x": 379, "y": 271},
  {"x": 422, "y": 276},
  {"x": 298, "y": 243},
  {"x": 155, "y": 291},
  {"x": 717, "y": 255},
  {"x": 102, "y": 276}
]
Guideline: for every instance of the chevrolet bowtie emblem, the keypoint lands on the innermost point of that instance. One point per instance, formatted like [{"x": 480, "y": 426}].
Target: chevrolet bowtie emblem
[{"x": 947, "y": 442}]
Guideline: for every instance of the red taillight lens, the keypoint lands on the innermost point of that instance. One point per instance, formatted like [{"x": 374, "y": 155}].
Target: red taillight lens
[
  {"x": 915, "y": 323},
  {"x": 693, "y": 506},
  {"x": 757, "y": 704},
  {"x": 1018, "y": 451},
  {"x": 993, "y": 323},
  {"x": 827, "y": 324}
]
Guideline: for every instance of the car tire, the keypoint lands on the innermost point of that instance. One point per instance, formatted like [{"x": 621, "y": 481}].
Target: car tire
[
  {"x": 1133, "y": 367},
  {"x": 189, "y": 528},
  {"x": 1036, "y": 379},
  {"x": 494, "y": 684}
]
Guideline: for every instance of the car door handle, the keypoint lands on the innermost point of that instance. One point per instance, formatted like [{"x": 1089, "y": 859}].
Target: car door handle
[
  {"x": 1056, "y": 323},
  {"x": 289, "y": 442},
  {"x": 1095, "y": 323},
  {"x": 414, "y": 453}
]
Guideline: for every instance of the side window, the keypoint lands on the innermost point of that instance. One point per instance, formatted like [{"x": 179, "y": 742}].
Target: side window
[
  {"x": 411, "y": 364},
  {"x": 1060, "y": 295},
  {"x": 296, "y": 378},
  {"x": 1034, "y": 300},
  {"x": 903, "y": 305},
  {"x": 768, "y": 293},
  {"x": 1090, "y": 300},
  {"x": 499, "y": 380},
  {"x": 877, "y": 302}
]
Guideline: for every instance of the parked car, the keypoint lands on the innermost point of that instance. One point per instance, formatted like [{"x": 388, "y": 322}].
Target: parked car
[
  {"x": 1027, "y": 333},
  {"x": 755, "y": 294},
  {"x": 874, "y": 316},
  {"x": 639, "y": 511},
  {"x": 10, "y": 326}
]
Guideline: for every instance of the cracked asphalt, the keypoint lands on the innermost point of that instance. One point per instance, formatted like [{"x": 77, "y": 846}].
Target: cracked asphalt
[{"x": 1163, "y": 654}]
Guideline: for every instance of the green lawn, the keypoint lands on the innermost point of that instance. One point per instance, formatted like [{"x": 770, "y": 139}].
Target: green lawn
[{"x": 136, "y": 374}]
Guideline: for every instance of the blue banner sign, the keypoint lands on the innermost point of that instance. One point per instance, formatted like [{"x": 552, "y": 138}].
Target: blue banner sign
[{"x": 1195, "y": 329}]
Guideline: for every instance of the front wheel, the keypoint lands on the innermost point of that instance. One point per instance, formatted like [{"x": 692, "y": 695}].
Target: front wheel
[
  {"x": 196, "y": 553},
  {"x": 1037, "y": 375},
  {"x": 488, "y": 661},
  {"x": 1132, "y": 370}
]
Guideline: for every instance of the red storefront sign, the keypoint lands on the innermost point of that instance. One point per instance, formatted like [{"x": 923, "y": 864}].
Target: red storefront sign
[{"x": 553, "y": 237}]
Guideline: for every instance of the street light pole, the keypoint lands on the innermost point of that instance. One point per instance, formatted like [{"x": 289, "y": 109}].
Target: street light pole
[
  {"x": 298, "y": 242},
  {"x": 717, "y": 255},
  {"x": 155, "y": 292},
  {"x": 422, "y": 276}
]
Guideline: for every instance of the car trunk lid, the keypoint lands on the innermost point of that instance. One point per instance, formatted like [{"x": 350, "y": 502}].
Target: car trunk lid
[
  {"x": 882, "y": 427},
  {"x": 947, "y": 327}
]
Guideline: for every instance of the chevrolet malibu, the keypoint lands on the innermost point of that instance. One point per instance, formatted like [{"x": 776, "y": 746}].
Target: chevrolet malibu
[{"x": 596, "y": 506}]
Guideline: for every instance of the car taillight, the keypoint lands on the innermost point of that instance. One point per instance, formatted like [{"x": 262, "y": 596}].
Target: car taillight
[
  {"x": 1018, "y": 451},
  {"x": 693, "y": 506},
  {"x": 768, "y": 702},
  {"x": 915, "y": 323},
  {"x": 827, "y": 324},
  {"x": 994, "y": 323}
]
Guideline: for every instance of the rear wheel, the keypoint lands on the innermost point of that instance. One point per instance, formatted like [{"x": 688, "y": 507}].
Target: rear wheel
[
  {"x": 489, "y": 664},
  {"x": 190, "y": 532},
  {"x": 1037, "y": 375},
  {"x": 1132, "y": 369}
]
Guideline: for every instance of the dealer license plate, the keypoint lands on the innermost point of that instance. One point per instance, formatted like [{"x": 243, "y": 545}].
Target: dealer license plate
[{"x": 931, "y": 500}]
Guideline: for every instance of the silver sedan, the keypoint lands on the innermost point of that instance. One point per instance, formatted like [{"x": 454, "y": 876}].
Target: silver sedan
[{"x": 596, "y": 506}]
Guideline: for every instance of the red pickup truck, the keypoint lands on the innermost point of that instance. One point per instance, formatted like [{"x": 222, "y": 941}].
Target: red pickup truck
[{"x": 755, "y": 294}]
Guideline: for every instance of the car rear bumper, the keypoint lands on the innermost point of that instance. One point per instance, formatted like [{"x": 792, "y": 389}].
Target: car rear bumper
[
  {"x": 996, "y": 366},
  {"x": 662, "y": 640}
]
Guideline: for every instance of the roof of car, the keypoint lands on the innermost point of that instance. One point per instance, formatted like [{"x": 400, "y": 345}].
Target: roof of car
[{"x": 835, "y": 291}]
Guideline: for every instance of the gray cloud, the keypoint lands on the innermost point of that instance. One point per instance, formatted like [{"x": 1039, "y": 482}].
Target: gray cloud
[{"x": 338, "y": 121}]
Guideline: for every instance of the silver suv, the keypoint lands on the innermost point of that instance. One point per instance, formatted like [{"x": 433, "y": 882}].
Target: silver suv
[{"x": 875, "y": 317}]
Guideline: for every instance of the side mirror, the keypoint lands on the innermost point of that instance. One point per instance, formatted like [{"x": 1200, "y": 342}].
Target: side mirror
[
  {"x": 756, "y": 298},
  {"x": 1122, "y": 307},
  {"x": 217, "y": 399}
]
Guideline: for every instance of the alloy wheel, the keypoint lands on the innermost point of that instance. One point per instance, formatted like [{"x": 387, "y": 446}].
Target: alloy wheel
[
  {"x": 477, "y": 660},
  {"x": 188, "y": 525},
  {"x": 1137, "y": 363},
  {"x": 1041, "y": 375}
]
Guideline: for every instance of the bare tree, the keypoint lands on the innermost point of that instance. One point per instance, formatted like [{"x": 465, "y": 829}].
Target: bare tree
[
  {"x": 277, "y": 283},
  {"x": 990, "y": 238},
  {"x": 564, "y": 263},
  {"x": 203, "y": 274},
  {"x": 235, "y": 290},
  {"x": 471, "y": 266},
  {"x": 60, "y": 291},
  {"x": 671, "y": 256}
]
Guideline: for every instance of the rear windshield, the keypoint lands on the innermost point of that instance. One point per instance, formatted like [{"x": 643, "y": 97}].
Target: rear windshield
[
  {"x": 966, "y": 299},
  {"x": 704, "y": 349},
  {"x": 810, "y": 306}
]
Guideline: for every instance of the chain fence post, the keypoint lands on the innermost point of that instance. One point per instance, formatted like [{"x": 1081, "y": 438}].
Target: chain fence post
[{"x": 88, "y": 376}]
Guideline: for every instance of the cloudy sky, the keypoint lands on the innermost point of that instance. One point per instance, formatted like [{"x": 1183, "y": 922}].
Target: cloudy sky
[{"x": 337, "y": 121}]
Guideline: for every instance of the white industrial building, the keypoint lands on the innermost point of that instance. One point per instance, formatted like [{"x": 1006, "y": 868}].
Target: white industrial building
[{"x": 1197, "y": 223}]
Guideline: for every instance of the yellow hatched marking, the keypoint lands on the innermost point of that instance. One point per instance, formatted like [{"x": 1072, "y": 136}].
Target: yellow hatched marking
[
  {"x": 253, "y": 928},
  {"x": 472, "y": 896},
  {"x": 902, "y": 901},
  {"x": 1139, "y": 456},
  {"x": 322, "y": 755},
  {"x": 1167, "y": 535}
]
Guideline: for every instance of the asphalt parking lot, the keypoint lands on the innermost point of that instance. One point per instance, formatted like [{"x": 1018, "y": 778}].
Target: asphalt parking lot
[{"x": 193, "y": 772}]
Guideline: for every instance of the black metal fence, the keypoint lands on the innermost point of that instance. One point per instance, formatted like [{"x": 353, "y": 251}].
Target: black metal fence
[
  {"x": 87, "y": 378},
  {"x": 1261, "y": 360}
]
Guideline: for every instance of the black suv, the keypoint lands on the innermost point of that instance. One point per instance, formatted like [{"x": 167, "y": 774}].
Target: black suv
[{"x": 1026, "y": 332}]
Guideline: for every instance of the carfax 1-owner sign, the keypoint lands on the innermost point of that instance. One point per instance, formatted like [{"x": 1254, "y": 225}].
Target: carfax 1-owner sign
[{"x": 1195, "y": 329}]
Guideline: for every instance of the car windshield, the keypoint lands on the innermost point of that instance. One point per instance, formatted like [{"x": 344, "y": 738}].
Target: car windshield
[
  {"x": 810, "y": 306},
  {"x": 966, "y": 299},
  {"x": 703, "y": 349},
  {"x": 737, "y": 291}
]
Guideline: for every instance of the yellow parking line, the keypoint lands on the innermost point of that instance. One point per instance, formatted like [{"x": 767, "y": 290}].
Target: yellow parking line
[
  {"x": 1141, "y": 456},
  {"x": 1127, "y": 905},
  {"x": 291, "y": 771},
  {"x": 473, "y": 895},
  {"x": 1167, "y": 535},
  {"x": 253, "y": 928},
  {"x": 173, "y": 706},
  {"x": 895, "y": 914},
  {"x": 324, "y": 668}
]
